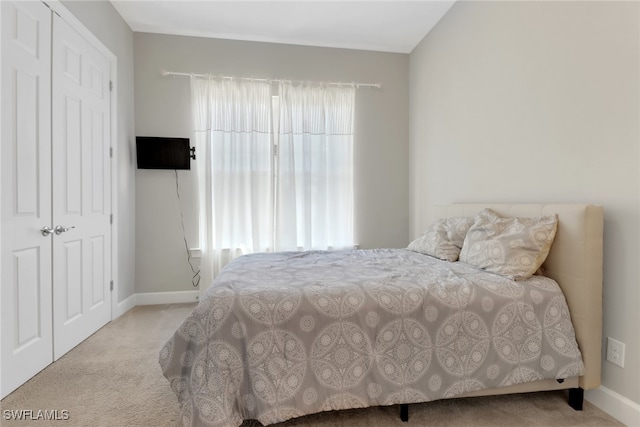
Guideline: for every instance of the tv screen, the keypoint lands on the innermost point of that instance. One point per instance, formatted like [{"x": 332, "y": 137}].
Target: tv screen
[{"x": 163, "y": 153}]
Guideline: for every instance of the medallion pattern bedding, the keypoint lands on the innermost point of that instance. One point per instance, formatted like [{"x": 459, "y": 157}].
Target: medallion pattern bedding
[{"x": 282, "y": 335}]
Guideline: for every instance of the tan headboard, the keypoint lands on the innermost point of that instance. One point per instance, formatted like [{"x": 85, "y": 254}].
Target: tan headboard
[{"x": 575, "y": 262}]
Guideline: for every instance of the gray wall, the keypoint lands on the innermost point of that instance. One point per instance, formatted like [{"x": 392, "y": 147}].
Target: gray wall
[
  {"x": 101, "y": 18},
  {"x": 538, "y": 102},
  {"x": 162, "y": 107}
]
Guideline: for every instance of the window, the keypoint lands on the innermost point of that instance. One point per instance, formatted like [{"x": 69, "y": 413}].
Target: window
[{"x": 276, "y": 173}]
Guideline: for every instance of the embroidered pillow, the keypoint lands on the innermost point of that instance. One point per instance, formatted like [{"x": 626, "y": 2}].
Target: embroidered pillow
[
  {"x": 511, "y": 247},
  {"x": 443, "y": 239}
]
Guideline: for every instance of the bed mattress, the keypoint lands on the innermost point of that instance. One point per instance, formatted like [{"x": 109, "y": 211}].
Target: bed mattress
[{"x": 281, "y": 335}]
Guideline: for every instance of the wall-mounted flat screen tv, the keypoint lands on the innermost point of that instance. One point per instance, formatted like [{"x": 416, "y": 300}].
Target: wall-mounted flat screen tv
[{"x": 163, "y": 153}]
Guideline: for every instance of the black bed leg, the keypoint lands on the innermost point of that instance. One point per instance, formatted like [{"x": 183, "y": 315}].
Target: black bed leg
[
  {"x": 576, "y": 397},
  {"x": 404, "y": 412}
]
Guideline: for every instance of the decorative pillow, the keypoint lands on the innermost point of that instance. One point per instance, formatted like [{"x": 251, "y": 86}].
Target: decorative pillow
[
  {"x": 511, "y": 247},
  {"x": 443, "y": 239}
]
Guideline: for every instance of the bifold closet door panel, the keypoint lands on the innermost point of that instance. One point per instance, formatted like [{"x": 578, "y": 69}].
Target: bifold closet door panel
[
  {"x": 81, "y": 188},
  {"x": 25, "y": 156},
  {"x": 55, "y": 176}
]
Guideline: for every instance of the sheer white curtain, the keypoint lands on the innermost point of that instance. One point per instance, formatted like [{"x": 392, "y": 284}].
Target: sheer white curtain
[
  {"x": 243, "y": 207},
  {"x": 235, "y": 170},
  {"x": 314, "y": 185}
]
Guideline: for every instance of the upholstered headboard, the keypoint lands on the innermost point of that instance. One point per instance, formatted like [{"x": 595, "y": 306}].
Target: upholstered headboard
[{"x": 575, "y": 262}]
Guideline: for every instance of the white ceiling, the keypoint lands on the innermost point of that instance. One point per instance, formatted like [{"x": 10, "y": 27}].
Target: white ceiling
[{"x": 387, "y": 26}]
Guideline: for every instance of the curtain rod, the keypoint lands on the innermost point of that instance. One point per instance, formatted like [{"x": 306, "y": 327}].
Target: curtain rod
[{"x": 357, "y": 85}]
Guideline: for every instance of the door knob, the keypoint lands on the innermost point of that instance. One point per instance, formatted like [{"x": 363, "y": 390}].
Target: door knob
[
  {"x": 46, "y": 231},
  {"x": 60, "y": 229}
]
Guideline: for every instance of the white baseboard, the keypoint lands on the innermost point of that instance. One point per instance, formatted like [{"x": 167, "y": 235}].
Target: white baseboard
[
  {"x": 616, "y": 405},
  {"x": 151, "y": 298},
  {"x": 126, "y": 305}
]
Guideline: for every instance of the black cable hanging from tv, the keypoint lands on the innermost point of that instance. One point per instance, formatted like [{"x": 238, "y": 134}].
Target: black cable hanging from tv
[{"x": 195, "y": 279}]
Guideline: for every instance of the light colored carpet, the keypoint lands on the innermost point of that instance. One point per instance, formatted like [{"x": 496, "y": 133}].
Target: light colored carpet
[{"x": 113, "y": 379}]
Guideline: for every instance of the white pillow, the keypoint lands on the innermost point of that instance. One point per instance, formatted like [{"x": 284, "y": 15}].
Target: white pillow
[
  {"x": 511, "y": 247},
  {"x": 443, "y": 239}
]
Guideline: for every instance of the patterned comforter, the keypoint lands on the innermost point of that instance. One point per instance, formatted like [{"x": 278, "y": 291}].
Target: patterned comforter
[{"x": 282, "y": 335}]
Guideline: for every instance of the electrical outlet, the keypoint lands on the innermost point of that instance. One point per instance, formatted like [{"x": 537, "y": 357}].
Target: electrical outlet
[{"x": 615, "y": 352}]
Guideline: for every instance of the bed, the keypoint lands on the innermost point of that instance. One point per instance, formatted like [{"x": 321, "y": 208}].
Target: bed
[{"x": 282, "y": 335}]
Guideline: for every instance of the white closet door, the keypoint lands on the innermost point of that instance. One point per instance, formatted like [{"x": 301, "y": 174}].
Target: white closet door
[
  {"x": 81, "y": 188},
  {"x": 25, "y": 165}
]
